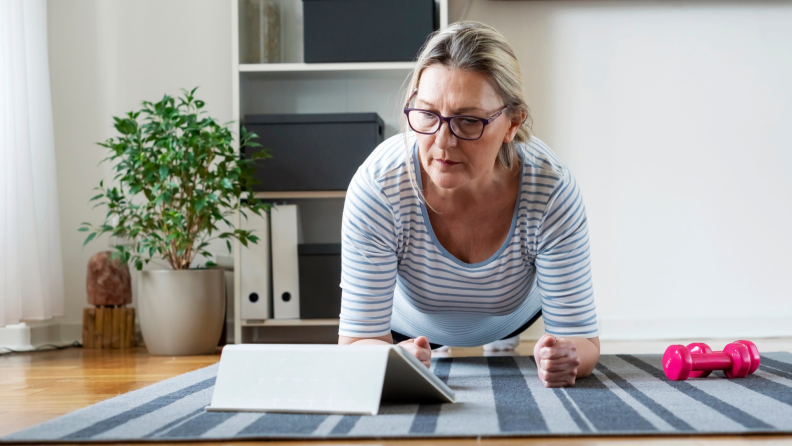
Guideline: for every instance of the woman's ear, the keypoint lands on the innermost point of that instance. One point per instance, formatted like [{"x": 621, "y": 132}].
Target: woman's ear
[{"x": 515, "y": 126}]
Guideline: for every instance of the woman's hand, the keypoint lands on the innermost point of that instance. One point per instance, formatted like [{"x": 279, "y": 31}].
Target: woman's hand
[
  {"x": 557, "y": 361},
  {"x": 418, "y": 347}
]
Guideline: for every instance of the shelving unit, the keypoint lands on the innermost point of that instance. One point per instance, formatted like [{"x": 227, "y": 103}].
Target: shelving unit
[
  {"x": 303, "y": 71},
  {"x": 289, "y": 322},
  {"x": 301, "y": 194},
  {"x": 297, "y": 87}
]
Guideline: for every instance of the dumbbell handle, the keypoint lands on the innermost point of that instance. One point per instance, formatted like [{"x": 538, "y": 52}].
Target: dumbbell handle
[{"x": 711, "y": 361}]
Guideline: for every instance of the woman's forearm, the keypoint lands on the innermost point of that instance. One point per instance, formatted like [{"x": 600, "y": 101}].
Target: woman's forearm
[
  {"x": 370, "y": 342},
  {"x": 588, "y": 351},
  {"x": 345, "y": 340}
]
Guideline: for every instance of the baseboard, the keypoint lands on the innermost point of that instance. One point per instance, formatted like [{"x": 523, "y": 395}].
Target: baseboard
[
  {"x": 637, "y": 328},
  {"x": 70, "y": 332},
  {"x": 29, "y": 335},
  {"x": 616, "y": 328},
  {"x": 626, "y": 328}
]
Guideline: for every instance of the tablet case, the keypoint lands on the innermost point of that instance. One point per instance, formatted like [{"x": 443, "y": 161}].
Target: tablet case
[{"x": 337, "y": 379}]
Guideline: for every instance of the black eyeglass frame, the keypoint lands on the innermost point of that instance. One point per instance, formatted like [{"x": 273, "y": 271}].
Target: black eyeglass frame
[{"x": 447, "y": 120}]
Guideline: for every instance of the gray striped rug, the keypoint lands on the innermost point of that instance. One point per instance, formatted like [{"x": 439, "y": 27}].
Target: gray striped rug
[{"x": 498, "y": 396}]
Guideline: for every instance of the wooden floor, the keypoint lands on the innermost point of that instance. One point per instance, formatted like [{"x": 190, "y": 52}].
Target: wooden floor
[{"x": 36, "y": 387}]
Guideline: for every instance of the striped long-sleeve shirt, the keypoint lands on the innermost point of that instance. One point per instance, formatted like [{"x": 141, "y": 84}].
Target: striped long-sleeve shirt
[{"x": 396, "y": 275}]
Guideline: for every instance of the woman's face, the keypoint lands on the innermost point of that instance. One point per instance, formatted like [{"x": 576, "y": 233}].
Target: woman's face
[{"x": 451, "y": 162}]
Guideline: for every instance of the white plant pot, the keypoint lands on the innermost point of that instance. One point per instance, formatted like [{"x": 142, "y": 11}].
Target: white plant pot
[{"x": 182, "y": 312}]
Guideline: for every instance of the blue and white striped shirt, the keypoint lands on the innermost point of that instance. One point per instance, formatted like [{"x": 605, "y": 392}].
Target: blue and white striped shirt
[{"x": 396, "y": 275}]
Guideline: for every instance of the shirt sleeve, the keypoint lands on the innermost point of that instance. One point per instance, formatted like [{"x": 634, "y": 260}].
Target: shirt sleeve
[
  {"x": 563, "y": 264},
  {"x": 368, "y": 260}
]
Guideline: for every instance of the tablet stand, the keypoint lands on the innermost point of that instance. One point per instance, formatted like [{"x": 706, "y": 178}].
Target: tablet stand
[{"x": 338, "y": 379}]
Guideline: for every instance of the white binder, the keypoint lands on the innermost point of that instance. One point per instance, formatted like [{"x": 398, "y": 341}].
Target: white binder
[
  {"x": 285, "y": 227},
  {"x": 255, "y": 270},
  {"x": 343, "y": 379}
]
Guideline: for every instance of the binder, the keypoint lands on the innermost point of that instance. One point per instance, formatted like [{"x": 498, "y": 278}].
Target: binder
[
  {"x": 255, "y": 270},
  {"x": 285, "y": 227}
]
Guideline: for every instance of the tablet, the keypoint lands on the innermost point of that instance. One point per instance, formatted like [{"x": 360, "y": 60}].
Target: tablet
[{"x": 338, "y": 379}]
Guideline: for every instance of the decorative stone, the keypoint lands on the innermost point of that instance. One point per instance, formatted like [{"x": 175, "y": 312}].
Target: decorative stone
[{"x": 108, "y": 281}]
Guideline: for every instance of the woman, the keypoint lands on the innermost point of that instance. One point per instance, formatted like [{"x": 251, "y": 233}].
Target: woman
[{"x": 466, "y": 229}]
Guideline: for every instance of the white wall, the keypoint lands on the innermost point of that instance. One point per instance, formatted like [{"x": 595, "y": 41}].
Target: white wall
[
  {"x": 106, "y": 56},
  {"x": 676, "y": 118}
]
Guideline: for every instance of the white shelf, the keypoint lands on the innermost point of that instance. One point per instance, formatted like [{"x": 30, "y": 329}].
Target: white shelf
[
  {"x": 288, "y": 322},
  {"x": 297, "y": 87},
  {"x": 294, "y": 67},
  {"x": 286, "y": 195},
  {"x": 375, "y": 70}
]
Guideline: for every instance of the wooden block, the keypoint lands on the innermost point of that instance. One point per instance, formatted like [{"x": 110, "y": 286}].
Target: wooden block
[
  {"x": 85, "y": 326},
  {"x": 107, "y": 335},
  {"x": 125, "y": 328},
  {"x": 109, "y": 327},
  {"x": 89, "y": 320},
  {"x": 98, "y": 328},
  {"x": 115, "y": 341},
  {"x": 131, "y": 327},
  {"x": 122, "y": 328},
  {"x": 92, "y": 328}
]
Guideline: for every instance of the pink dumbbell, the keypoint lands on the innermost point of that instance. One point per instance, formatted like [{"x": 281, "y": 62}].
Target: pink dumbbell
[{"x": 737, "y": 360}]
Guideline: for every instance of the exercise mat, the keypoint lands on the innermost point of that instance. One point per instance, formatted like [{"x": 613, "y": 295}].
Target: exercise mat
[{"x": 497, "y": 396}]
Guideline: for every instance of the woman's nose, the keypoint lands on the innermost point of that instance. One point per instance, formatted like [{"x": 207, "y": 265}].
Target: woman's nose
[{"x": 444, "y": 138}]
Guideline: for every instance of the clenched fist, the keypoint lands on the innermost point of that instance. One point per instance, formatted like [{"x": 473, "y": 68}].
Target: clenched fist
[
  {"x": 418, "y": 347},
  {"x": 557, "y": 361}
]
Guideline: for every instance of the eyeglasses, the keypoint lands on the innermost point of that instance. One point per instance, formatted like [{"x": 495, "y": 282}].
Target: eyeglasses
[{"x": 469, "y": 128}]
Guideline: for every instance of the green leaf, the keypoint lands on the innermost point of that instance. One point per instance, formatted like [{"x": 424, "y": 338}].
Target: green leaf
[
  {"x": 180, "y": 166},
  {"x": 89, "y": 238}
]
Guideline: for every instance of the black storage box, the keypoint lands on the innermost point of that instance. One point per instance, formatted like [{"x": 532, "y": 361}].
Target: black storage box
[
  {"x": 312, "y": 151},
  {"x": 320, "y": 279},
  {"x": 366, "y": 30}
]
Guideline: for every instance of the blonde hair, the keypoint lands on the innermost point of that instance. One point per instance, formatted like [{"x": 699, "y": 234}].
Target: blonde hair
[{"x": 474, "y": 46}]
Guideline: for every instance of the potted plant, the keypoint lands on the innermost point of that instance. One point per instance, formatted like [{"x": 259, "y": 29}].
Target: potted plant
[{"x": 178, "y": 179}]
